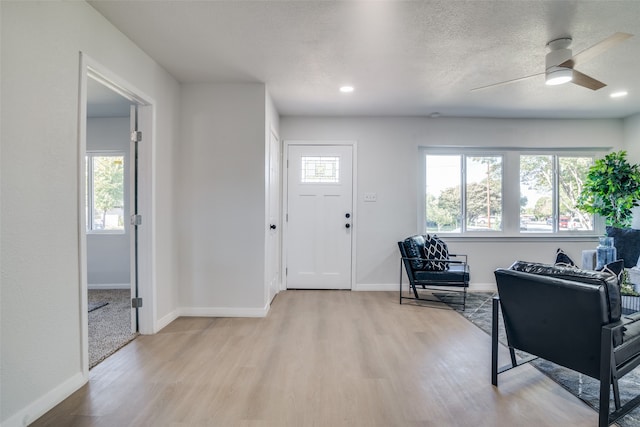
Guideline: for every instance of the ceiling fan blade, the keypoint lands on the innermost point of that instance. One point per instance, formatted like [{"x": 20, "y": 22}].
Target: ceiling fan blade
[
  {"x": 596, "y": 49},
  {"x": 506, "y": 82},
  {"x": 586, "y": 81}
]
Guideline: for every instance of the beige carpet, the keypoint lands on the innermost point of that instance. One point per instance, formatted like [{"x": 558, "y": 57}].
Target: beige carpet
[{"x": 109, "y": 325}]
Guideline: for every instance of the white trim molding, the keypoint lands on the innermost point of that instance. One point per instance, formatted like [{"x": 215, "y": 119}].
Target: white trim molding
[
  {"x": 374, "y": 287},
  {"x": 224, "y": 311},
  {"x": 165, "y": 320},
  {"x": 366, "y": 287},
  {"x": 211, "y": 312}
]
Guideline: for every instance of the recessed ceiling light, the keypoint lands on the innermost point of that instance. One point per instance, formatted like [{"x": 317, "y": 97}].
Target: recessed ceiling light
[
  {"x": 346, "y": 89},
  {"x": 619, "y": 94}
]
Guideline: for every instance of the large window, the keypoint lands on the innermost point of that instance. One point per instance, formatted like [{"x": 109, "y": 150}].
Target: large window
[
  {"x": 105, "y": 192},
  {"x": 509, "y": 192}
]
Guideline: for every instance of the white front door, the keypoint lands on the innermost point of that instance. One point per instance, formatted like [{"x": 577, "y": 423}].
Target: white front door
[
  {"x": 320, "y": 216},
  {"x": 273, "y": 234}
]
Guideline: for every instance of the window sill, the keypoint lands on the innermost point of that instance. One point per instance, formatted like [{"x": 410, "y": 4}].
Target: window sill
[
  {"x": 106, "y": 233},
  {"x": 522, "y": 238}
]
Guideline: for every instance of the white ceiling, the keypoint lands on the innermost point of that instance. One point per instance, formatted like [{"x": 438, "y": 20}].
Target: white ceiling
[{"x": 403, "y": 57}]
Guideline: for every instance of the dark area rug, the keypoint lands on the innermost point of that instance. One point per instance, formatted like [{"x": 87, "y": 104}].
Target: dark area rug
[
  {"x": 110, "y": 326},
  {"x": 478, "y": 312}
]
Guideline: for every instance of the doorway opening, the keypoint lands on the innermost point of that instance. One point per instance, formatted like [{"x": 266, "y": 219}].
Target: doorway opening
[
  {"x": 116, "y": 250},
  {"x": 109, "y": 168}
]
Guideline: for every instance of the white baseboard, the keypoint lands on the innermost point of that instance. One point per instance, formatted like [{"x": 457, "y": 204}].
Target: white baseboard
[
  {"x": 165, "y": 320},
  {"x": 38, "y": 408},
  {"x": 224, "y": 311},
  {"x": 376, "y": 287},
  {"x": 108, "y": 286},
  {"x": 211, "y": 312},
  {"x": 473, "y": 287}
]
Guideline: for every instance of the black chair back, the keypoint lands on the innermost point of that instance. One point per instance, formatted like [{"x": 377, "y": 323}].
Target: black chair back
[{"x": 554, "y": 318}]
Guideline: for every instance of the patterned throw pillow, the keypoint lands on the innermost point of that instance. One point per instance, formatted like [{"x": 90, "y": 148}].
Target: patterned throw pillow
[
  {"x": 615, "y": 268},
  {"x": 563, "y": 260},
  {"x": 434, "y": 248}
]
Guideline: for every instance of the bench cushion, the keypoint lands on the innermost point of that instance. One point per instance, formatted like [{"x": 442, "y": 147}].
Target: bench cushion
[{"x": 456, "y": 273}]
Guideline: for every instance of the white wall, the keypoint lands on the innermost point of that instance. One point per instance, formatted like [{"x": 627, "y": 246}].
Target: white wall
[
  {"x": 40, "y": 307},
  {"x": 632, "y": 146},
  {"x": 388, "y": 165},
  {"x": 108, "y": 255},
  {"x": 632, "y": 138},
  {"x": 222, "y": 199}
]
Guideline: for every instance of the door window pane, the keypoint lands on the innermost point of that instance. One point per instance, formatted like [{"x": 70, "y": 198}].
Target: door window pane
[{"x": 320, "y": 169}]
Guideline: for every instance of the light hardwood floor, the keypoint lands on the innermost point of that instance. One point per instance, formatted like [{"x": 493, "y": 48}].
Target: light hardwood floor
[{"x": 320, "y": 358}]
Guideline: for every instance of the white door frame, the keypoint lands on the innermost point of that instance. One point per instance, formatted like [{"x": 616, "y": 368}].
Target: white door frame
[
  {"x": 89, "y": 68},
  {"x": 285, "y": 197}
]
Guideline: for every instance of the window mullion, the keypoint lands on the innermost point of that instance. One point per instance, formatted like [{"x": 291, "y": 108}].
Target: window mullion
[
  {"x": 556, "y": 194},
  {"x": 463, "y": 194},
  {"x": 89, "y": 192},
  {"x": 511, "y": 193}
]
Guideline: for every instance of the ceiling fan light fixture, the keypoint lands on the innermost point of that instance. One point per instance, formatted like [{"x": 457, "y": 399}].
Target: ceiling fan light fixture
[{"x": 558, "y": 75}]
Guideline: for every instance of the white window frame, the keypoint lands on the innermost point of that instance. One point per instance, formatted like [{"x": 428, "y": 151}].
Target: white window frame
[
  {"x": 510, "y": 193},
  {"x": 89, "y": 182}
]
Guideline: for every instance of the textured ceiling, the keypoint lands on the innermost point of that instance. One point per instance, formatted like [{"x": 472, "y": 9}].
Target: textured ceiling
[{"x": 402, "y": 57}]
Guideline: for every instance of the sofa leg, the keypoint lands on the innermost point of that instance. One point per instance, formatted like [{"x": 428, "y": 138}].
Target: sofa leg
[
  {"x": 494, "y": 342},
  {"x": 616, "y": 392},
  {"x": 606, "y": 357},
  {"x": 400, "y": 280}
]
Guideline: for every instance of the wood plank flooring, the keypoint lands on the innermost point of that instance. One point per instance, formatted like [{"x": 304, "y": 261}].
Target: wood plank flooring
[{"x": 320, "y": 358}]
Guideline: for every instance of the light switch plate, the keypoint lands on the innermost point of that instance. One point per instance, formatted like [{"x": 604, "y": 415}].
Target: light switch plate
[{"x": 370, "y": 197}]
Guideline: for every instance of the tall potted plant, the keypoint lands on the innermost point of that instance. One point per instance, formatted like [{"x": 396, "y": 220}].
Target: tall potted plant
[{"x": 611, "y": 190}]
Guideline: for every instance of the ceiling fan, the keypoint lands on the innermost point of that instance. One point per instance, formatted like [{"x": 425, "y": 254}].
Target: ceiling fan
[{"x": 559, "y": 64}]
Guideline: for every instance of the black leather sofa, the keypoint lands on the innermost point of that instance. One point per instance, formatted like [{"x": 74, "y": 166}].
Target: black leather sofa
[{"x": 570, "y": 317}]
